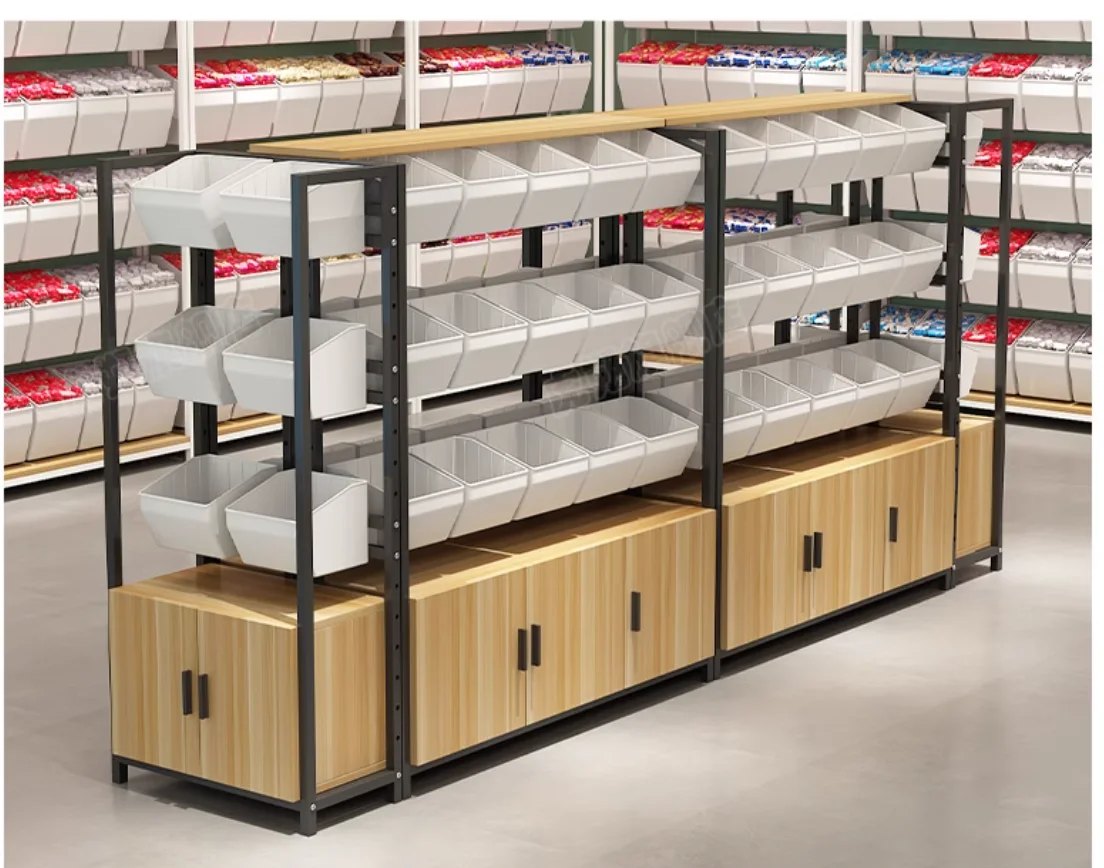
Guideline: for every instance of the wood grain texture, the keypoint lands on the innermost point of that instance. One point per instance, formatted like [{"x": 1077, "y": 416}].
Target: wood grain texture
[
  {"x": 920, "y": 483},
  {"x": 94, "y": 456},
  {"x": 151, "y": 642},
  {"x": 975, "y": 487},
  {"x": 466, "y": 686}
]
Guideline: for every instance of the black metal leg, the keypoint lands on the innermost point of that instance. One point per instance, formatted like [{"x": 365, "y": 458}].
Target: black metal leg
[
  {"x": 532, "y": 256},
  {"x": 783, "y": 328},
  {"x": 120, "y": 773},
  {"x": 632, "y": 374},
  {"x": 609, "y": 367},
  {"x": 633, "y": 247},
  {"x": 948, "y": 581},
  {"x": 1000, "y": 398},
  {"x": 609, "y": 378},
  {"x": 204, "y": 416}
]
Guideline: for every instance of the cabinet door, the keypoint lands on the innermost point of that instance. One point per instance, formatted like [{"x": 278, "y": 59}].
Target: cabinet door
[
  {"x": 152, "y": 643},
  {"x": 765, "y": 588},
  {"x": 467, "y": 686},
  {"x": 577, "y": 607},
  {"x": 249, "y": 727},
  {"x": 671, "y": 594},
  {"x": 920, "y": 489},
  {"x": 849, "y": 513}
]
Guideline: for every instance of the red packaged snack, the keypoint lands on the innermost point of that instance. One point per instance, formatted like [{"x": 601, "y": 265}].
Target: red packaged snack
[
  {"x": 13, "y": 400},
  {"x": 990, "y": 241},
  {"x": 241, "y": 72},
  {"x": 36, "y": 86},
  {"x": 647, "y": 52},
  {"x": 989, "y": 154},
  {"x": 34, "y": 186},
  {"x": 691, "y": 55},
  {"x": 506, "y": 233},
  {"x": 690, "y": 218},
  {"x": 655, "y": 218},
  {"x": 43, "y": 387},
  {"x": 985, "y": 332},
  {"x": 1002, "y": 65}
]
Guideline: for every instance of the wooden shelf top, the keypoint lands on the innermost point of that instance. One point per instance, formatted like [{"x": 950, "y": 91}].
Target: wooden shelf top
[
  {"x": 93, "y": 457},
  {"x": 360, "y": 146},
  {"x": 931, "y": 422}
]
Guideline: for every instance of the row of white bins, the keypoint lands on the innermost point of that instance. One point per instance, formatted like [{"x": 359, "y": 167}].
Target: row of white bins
[
  {"x": 217, "y": 202},
  {"x": 41, "y": 38},
  {"x": 47, "y": 230},
  {"x": 224, "y": 506}
]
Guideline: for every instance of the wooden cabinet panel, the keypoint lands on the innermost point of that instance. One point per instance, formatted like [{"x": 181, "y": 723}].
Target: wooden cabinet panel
[
  {"x": 466, "y": 686},
  {"x": 848, "y": 510},
  {"x": 578, "y": 603},
  {"x": 765, "y": 589},
  {"x": 920, "y": 485},
  {"x": 975, "y": 486},
  {"x": 672, "y": 570},
  {"x": 151, "y": 643}
]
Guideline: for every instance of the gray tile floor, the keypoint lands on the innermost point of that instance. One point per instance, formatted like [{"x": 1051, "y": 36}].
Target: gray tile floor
[{"x": 952, "y": 731}]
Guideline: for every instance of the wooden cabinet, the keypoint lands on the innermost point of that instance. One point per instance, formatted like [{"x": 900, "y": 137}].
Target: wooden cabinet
[
  {"x": 920, "y": 500},
  {"x": 203, "y": 666}
]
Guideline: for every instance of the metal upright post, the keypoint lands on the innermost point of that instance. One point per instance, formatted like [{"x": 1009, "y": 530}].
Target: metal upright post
[
  {"x": 837, "y": 210},
  {"x": 204, "y": 416},
  {"x": 874, "y": 307},
  {"x": 854, "y": 217},
  {"x": 1000, "y": 397},
  {"x": 609, "y": 367},
  {"x": 783, "y": 328},
  {"x": 632, "y": 362},
  {"x": 532, "y": 256},
  {"x": 287, "y": 424}
]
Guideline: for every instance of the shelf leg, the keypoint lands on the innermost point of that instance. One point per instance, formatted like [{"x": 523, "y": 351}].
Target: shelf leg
[
  {"x": 120, "y": 771},
  {"x": 948, "y": 580},
  {"x": 996, "y": 563},
  {"x": 308, "y": 821}
]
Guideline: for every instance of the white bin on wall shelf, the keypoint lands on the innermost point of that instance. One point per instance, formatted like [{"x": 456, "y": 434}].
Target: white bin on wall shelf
[
  {"x": 785, "y": 409},
  {"x": 14, "y": 115},
  {"x": 99, "y": 126},
  {"x": 556, "y": 468},
  {"x": 983, "y": 191},
  {"x": 148, "y": 120},
  {"x": 503, "y": 92},
  {"x": 788, "y": 282},
  {"x": 877, "y": 385},
  {"x": 572, "y": 243},
  {"x": 297, "y": 107},
  {"x": 616, "y": 314},
  {"x": 683, "y": 83},
  {"x": 672, "y": 168},
  {"x": 182, "y": 359},
  {"x": 51, "y": 229},
  {"x": 469, "y": 258},
  {"x": 614, "y": 452},
  {"x": 503, "y": 255},
  {"x": 669, "y": 439},
  {"x": 92, "y": 430},
  {"x": 1082, "y": 191},
  {"x": 557, "y": 182},
  {"x": 617, "y": 175},
  {"x": 152, "y": 415},
  {"x": 48, "y": 128},
  {"x": 728, "y": 82},
  {"x": 17, "y": 327},
  {"x": 572, "y": 85},
  {"x": 1043, "y": 285},
  {"x": 493, "y": 337},
  {"x": 741, "y": 425},
  {"x": 54, "y": 329},
  {"x": 186, "y": 508},
  {"x": 1041, "y": 373},
  {"x": 744, "y": 160},
  {"x": 262, "y": 523},
  {"x": 434, "y": 264},
  {"x": 494, "y": 484},
  {"x": 538, "y": 88},
  {"x": 379, "y": 102},
  {"x": 254, "y": 112},
  {"x": 1045, "y": 196},
  {"x": 1000, "y": 29},
  {"x": 1080, "y": 371},
  {"x": 493, "y": 189},
  {"x": 465, "y": 99},
  {"x": 1050, "y": 105},
  {"x": 342, "y": 278},
  {"x": 342, "y": 100},
  {"x": 834, "y": 273},
  {"x": 1081, "y": 281},
  {"x": 890, "y": 82},
  {"x": 260, "y": 368},
  {"x": 640, "y": 85},
  {"x": 556, "y": 325},
  {"x": 833, "y": 396},
  {"x": 39, "y": 38},
  {"x": 1055, "y": 31},
  {"x": 57, "y": 428},
  {"x": 18, "y": 426},
  {"x": 15, "y": 230},
  {"x": 670, "y": 303}
]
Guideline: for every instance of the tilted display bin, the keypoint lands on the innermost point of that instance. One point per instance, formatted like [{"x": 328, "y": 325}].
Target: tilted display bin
[
  {"x": 743, "y": 289},
  {"x": 877, "y": 385},
  {"x": 919, "y": 373},
  {"x": 614, "y": 452},
  {"x": 788, "y": 282},
  {"x": 262, "y": 523},
  {"x": 882, "y": 143},
  {"x": 494, "y": 484},
  {"x": 672, "y": 168},
  {"x": 834, "y": 273},
  {"x": 1080, "y": 369},
  {"x": 557, "y": 182},
  {"x": 186, "y": 508},
  {"x": 18, "y": 426},
  {"x": 1046, "y": 196},
  {"x": 924, "y": 137},
  {"x": 837, "y": 148},
  {"x": 1081, "y": 281},
  {"x": 616, "y": 314},
  {"x": 669, "y": 439},
  {"x": 879, "y": 264},
  {"x": 670, "y": 303},
  {"x": 640, "y": 85},
  {"x": 922, "y": 256},
  {"x": 833, "y": 397},
  {"x": 1042, "y": 284},
  {"x": 741, "y": 425},
  {"x": 785, "y": 409},
  {"x": 183, "y": 358},
  {"x": 556, "y": 324},
  {"x": 745, "y": 157},
  {"x": 556, "y": 468},
  {"x": 493, "y": 190},
  {"x": 789, "y": 154},
  {"x": 617, "y": 175}
]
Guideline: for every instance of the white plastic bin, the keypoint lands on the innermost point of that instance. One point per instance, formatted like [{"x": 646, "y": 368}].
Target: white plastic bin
[
  {"x": 834, "y": 273},
  {"x": 186, "y": 508},
  {"x": 54, "y": 329},
  {"x": 493, "y": 189},
  {"x": 255, "y": 109},
  {"x": 877, "y": 385},
  {"x": 617, "y": 175},
  {"x": 837, "y": 148},
  {"x": 1000, "y": 29},
  {"x": 260, "y": 368},
  {"x": 57, "y": 428},
  {"x": 465, "y": 98},
  {"x": 1084, "y": 106},
  {"x": 87, "y": 234},
  {"x": 503, "y": 255},
  {"x": 48, "y": 128},
  {"x": 1081, "y": 281},
  {"x": 152, "y": 415},
  {"x": 99, "y": 126},
  {"x": 919, "y": 373},
  {"x": 683, "y": 83},
  {"x": 494, "y": 483},
  {"x": 789, "y": 154},
  {"x": 14, "y": 115},
  {"x": 469, "y": 258},
  {"x": 556, "y": 468},
  {"x": 1055, "y": 31},
  {"x": 614, "y": 452},
  {"x": 342, "y": 278},
  {"x": 924, "y": 137},
  {"x": 92, "y": 430},
  {"x": 557, "y": 182},
  {"x": 640, "y": 85},
  {"x": 1041, "y": 373},
  {"x": 1042, "y": 285},
  {"x": 556, "y": 324},
  {"x": 788, "y": 282},
  {"x": 983, "y": 191},
  {"x": 260, "y": 291},
  {"x": 39, "y": 38},
  {"x": 17, "y": 328},
  {"x": 148, "y": 309},
  {"x": 670, "y": 303},
  {"x": 743, "y": 289},
  {"x": 434, "y": 498},
  {"x": 882, "y": 142},
  {"x": 741, "y": 425},
  {"x": 432, "y": 199},
  {"x": 729, "y": 82},
  {"x": 493, "y": 338},
  {"x": 51, "y": 229},
  {"x": 615, "y": 314},
  {"x": 669, "y": 439},
  {"x": 379, "y": 102},
  {"x": 18, "y": 427},
  {"x": 15, "y": 230},
  {"x": 503, "y": 92},
  {"x": 262, "y": 523},
  {"x": 297, "y": 107},
  {"x": 785, "y": 409},
  {"x": 148, "y": 119},
  {"x": 434, "y": 264},
  {"x": 182, "y": 359},
  {"x": 833, "y": 396},
  {"x": 1082, "y": 190},
  {"x": 1050, "y": 105},
  {"x": 879, "y": 264},
  {"x": 672, "y": 168},
  {"x": 257, "y": 208},
  {"x": 180, "y": 204},
  {"x": 922, "y": 256},
  {"x": 538, "y": 88},
  {"x": 744, "y": 160},
  {"x": 572, "y": 244},
  {"x": 1080, "y": 370},
  {"x": 342, "y": 99},
  {"x": 1042, "y": 195}
]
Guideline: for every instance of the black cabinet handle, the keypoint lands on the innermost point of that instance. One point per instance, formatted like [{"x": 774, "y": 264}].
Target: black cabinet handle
[
  {"x": 204, "y": 706},
  {"x": 893, "y": 524},
  {"x": 634, "y": 611},
  {"x": 807, "y": 555},
  {"x": 186, "y": 691},
  {"x": 523, "y": 650},
  {"x": 818, "y": 550},
  {"x": 536, "y": 643}
]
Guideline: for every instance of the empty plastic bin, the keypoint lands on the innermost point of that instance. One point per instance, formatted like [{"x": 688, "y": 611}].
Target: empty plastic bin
[
  {"x": 556, "y": 324},
  {"x": 788, "y": 282},
  {"x": 180, "y": 205},
  {"x": 186, "y": 508},
  {"x": 833, "y": 396},
  {"x": 877, "y": 385},
  {"x": 434, "y": 498},
  {"x": 785, "y": 409},
  {"x": 261, "y": 368},
  {"x": 672, "y": 168},
  {"x": 494, "y": 484},
  {"x": 882, "y": 142},
  {"x": 557, "y": 182},
  {"x": 617, "y": 175},
  {"x": 741, "y": 425},
  {"x": 493, "y": 337},
  {"x": 837, "y": 148},
  {"x": 262, "y": 523},
  {"x": 789, "y": 154},
  {"x": 669, "y": 439},
  {"x": 670, "y": 303},
  {"x": 744, "y": 161},
  {"x": 556, "y": 468},
  {"x": 615, "y": 314},
  {"x": 182, "y": 359},
  {"x": 879, "y": 264},
  {"x": 924, "y": 137},
  {"x": 432, "y": 198},
  {"x": 834, "y": 273},
  {"x": 922, "y": 255},
  {"x": 919, "y": 373},
  {"x": 493, "y": 190},
  {"x": 614, "y": 452}
]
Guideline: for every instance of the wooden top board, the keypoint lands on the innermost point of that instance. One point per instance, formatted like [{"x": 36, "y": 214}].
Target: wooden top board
[{"x": 931, "y": 422}]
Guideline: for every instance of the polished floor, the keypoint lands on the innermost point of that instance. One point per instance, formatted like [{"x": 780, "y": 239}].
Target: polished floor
[{"x": 951, "y": 732}]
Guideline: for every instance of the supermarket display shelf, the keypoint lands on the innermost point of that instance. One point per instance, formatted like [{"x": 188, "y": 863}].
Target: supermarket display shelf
[
  {"x": 1040, "y": 408},
  {"x": 58, "y": 466},
  {"x": 669, "y": 361}
]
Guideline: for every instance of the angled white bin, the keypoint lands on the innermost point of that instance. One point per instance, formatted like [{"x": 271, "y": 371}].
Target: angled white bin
[
  {"x": 922, "y": 255},
  {"x": 262, "y": 523},
  {"x": 1051, "y": 105},
  {"x": 789, "y": 154},
  {"x": 744, "y": 160},
  {"x": 433, "y": 197},
  {"x": 556, "y": 468},
  {"x": 260, "y": 368},
  {"x": 834, "y": 273},
  {"x": 670, "y": 303},
  {"x": 788, "y": 282},
  {"x": 924, "y": 137},
  {"x": 434, "y": 498},
  {"x": 180, "y": 204},
  {"x": 881, "y": 145},
  {"x": 785, "y": 409},
  {"x": 617, "y": 175},
  {"x": 1046, "y": 196},
  {"x": 616, "y": 314},
  {"x": 743, "y": 289},
  {"x": 614, "y": 452},
  {"x": 672, "y": 168},
  {"x": 1081, "y": 281},
  {"x": 742, "y": 419},
  {"x": 182, "y": 359},
  {"x": 557, "y": 182},
  {"x": 494, "y": 483},
  {"x": 640, "y": 85},
  {"x": 919, "y": 373},
  {"x": 669, "y": 439},
  {"x": 556, "y": 324},
  {"x": 879, "y": 264},
  {"x": 837, "y": 148},
  {"x": 833, "y": 396},
  {"x": 186, "y": 508},
  {"x": 493, "y": 337},
  {"x": 493, "y": 189},
  {"x": 877, "y": 385}
]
